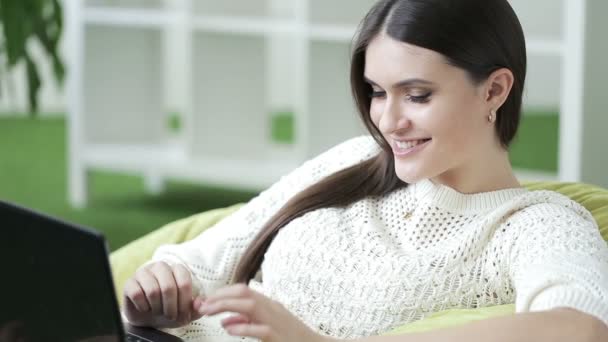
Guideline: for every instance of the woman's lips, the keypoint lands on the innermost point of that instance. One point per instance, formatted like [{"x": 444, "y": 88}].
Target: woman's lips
[{"x": 401, "y": 152}]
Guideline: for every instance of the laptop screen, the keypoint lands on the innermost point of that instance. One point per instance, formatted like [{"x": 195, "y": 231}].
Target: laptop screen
[{"x": 56, "y": 283}]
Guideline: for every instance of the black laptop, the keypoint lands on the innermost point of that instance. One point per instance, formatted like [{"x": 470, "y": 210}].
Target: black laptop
[{"x": 56, "y": 284}]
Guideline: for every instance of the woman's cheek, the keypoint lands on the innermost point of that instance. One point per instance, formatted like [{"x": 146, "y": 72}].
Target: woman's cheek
[{"x": 375, "y": 112}]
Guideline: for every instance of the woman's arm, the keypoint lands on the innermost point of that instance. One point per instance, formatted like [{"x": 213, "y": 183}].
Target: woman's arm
[
  {"x": 212, "y": 256},
  {"x": 559, "y": 268},
  {"x": 260, "y": 317},
  {"x": 555, "y": 325},
  {"x": 168, "y": 290}
]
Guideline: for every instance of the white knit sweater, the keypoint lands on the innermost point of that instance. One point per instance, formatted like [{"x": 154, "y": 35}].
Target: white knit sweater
[{"x": 384, "y": 262}]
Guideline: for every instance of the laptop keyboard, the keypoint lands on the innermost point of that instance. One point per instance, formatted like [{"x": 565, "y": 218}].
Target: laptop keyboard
[{"x": 134, "y": 338}]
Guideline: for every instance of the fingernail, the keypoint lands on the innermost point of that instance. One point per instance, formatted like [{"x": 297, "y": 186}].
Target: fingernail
[{"x": 203, "y": 308}]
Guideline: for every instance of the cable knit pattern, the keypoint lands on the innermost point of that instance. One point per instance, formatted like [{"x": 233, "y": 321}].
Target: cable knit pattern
[{"x": 384, "y": 262}]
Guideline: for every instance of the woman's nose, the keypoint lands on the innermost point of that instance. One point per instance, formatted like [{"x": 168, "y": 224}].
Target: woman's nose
[{"x": 393, "y": 117}]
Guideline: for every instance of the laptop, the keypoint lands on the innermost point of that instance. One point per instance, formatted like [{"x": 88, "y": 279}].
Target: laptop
[{"x": 56, "y": 284}]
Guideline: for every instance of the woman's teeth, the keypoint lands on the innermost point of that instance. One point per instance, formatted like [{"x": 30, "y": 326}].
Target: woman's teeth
[{"x": 408, "y": 144}]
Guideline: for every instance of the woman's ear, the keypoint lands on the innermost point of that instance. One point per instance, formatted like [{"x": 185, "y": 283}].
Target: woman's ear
[{"x": 498, "y": 87}]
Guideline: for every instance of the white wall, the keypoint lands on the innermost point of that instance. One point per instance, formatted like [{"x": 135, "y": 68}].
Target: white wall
[
  {"x": 539, "y": 18},
  {"x": 594, "y": 159}
]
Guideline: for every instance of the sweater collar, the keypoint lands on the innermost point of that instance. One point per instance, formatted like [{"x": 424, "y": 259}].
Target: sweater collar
[{"x": 448, "y": 198}]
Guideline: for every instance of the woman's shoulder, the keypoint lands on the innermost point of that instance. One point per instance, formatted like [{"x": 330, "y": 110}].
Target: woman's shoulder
[
  {"x": 542, "y": 205},
  {"x": 334, "y": 159},
  {"x": 348, "y": 152},
  {"x": 360, "y": 145}
]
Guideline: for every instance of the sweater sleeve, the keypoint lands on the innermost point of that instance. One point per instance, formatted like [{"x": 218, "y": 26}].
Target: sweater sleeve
[
  {"x": 559, "y": 259},
  {"x": 212, "y": 257}
]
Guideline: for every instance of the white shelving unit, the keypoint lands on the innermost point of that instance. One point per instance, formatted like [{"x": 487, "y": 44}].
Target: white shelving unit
[
  {"x": 546, "y": 61},
  {"x": 236, "y": 52}
]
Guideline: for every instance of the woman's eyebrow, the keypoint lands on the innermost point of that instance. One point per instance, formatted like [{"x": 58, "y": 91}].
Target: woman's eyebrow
[{"x": 410, "y": 82}]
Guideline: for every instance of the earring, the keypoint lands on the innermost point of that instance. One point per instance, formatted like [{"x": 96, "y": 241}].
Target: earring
[{"x": 492, "y": 116}]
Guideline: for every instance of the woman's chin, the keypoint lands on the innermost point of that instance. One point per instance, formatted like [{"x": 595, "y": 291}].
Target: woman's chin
[{"x": 409, "y": 177}]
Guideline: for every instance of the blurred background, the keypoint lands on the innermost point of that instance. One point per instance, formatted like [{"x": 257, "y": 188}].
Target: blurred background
[{"x": 124, "y": 115}]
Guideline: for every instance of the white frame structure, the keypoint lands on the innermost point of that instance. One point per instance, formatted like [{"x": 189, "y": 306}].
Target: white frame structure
[{"x": 174, "y": 159}]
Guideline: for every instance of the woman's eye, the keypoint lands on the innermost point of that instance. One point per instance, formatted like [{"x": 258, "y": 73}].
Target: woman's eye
[
  {"x": 413, "y": 98},
  {"x": 375, "y": 93},
  {"x": 420, "y": 98}
]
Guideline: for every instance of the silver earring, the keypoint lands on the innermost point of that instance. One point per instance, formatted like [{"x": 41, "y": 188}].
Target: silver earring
[{"x": 492, "y": 116}]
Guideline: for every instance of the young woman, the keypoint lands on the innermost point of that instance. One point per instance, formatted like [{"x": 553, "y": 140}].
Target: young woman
[{"x": 422, "y": 216}]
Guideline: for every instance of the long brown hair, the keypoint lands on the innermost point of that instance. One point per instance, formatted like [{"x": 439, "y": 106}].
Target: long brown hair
[{"x": 479, "y": 36}]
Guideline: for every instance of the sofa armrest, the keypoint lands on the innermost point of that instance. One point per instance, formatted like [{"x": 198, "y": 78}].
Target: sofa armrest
[{"x": 452, "y": 318}]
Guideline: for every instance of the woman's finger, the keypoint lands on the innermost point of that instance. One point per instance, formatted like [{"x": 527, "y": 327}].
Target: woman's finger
[
  {"x": 183, "y": 281},
  {"x": 197, "y": 302},
  {"x": 136, "y": 296},
  {"x": 236, "y": 319},
  {"x": 149, "y": 284},
  {"x": 262, "y": 332},
  {"x": 168, "y": 289},
  {"x": 232, "y": 291},
  {"x": 195, "y": 308},
  {"x": 245, "y": 306}
]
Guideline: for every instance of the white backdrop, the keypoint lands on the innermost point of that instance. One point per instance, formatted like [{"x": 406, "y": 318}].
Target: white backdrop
[{"x": 540, "y": 16}]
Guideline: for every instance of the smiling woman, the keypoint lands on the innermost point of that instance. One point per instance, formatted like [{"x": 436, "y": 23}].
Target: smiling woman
[
  {"x": 424, "y": 215},
  {"x": 435, "y": 120}
]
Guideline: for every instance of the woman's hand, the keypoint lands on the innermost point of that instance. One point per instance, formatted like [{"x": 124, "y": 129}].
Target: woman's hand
[
  {"x": 257, "y": 316},
  {"x": 161, "y": 296}
]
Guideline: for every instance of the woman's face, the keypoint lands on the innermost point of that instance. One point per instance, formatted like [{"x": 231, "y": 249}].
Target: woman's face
[{"x": 432, "y": 115}]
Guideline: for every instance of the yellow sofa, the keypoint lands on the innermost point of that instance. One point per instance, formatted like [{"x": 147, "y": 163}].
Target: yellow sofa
[{"x": 127, "y": 259}]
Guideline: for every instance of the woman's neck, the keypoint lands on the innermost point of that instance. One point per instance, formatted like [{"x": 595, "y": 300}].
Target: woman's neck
[{"x": 490, "y": 173}]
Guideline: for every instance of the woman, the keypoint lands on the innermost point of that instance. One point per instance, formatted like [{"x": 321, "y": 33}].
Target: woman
[{"x": 422, "y": 216}]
